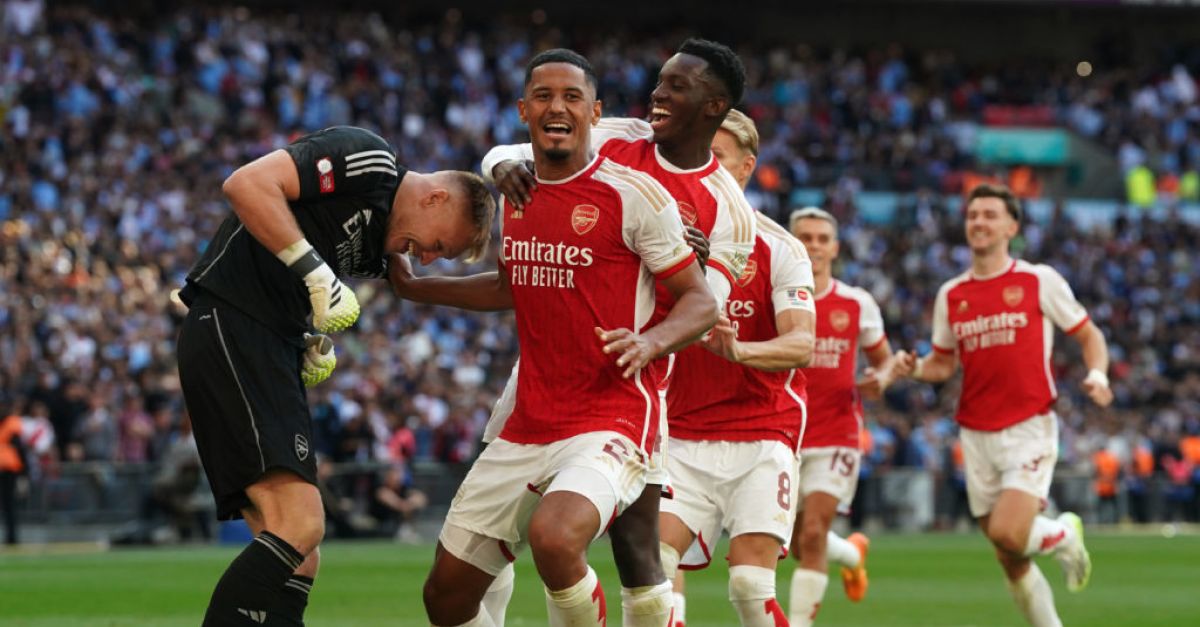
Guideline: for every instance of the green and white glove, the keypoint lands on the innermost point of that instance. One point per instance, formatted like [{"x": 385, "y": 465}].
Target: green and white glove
[
  {"x": 319, "y": 359},
  {"x": 334, "y": 306}
]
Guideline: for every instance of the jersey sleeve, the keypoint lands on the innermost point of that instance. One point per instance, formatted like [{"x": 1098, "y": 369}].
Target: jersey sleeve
[
  {"x": 343, "y": 160},
  {"x": 870, "y": 321},
  {"x": 732, "y": 237},
  {"x": 943, "y": 336},
  {"x": 626, "y": 129},
  {"x": 651, "y": 226},
  {"x": 791, "y": 276},
  {"x": 507, "y": 152},
  {"x": 1058, "y": 301}
]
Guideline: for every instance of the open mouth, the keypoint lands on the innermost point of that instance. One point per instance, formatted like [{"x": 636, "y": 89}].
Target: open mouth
[
  {"x": 659, "y": 117},
  {"x": 557, "y": 130}
]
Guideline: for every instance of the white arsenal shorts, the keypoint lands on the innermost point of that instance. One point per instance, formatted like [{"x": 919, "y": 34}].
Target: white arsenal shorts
[
  {"x": 489, "y": 518},
  {"x": 739, "y": 487},
  {"x": 1020, "y": 457},
  {"x": 832, "y": 470}
]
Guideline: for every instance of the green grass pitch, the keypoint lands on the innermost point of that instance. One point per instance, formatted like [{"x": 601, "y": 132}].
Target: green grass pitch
[{"x": 923, "y": 580}]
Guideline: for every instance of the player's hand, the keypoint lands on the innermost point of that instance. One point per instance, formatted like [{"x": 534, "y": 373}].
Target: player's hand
[
  {"x": 516, "y": 181},
  {"x": 634, "y": 351},
  {"x": 1097, "y": 388},
  {"x": 903, "y": 364},
  {"x": 334, "y": 306},
  {"x": 399, "y": 273},
  {"x": 695, "y": 238},
  {"x": 319, "y": 359},
  {"x": 870, "y": 386},
  {"x": 722, "y": 340}
]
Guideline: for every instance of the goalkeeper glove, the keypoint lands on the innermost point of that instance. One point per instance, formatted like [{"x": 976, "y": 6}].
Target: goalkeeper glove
[
  {"x": 319, "y": 359},
  {"x": 334, "y": 306}
]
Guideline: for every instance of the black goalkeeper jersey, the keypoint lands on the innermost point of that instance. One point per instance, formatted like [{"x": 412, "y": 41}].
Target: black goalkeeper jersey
[{"x": 348, "y": 180}]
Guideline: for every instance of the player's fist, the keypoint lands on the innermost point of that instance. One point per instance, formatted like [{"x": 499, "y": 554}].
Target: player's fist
[
  {"x": 1095, "y": 385},
  {"x": 400, "y": 272},
  {"x": 722, "y": 340},
  {"x": 319, "y": 359},
  {"x": 334, "y": 306},
  {"x": 515, "y": 179},
  {"x": 634, "y": 350},
  {"x": 903, "y": 364}
]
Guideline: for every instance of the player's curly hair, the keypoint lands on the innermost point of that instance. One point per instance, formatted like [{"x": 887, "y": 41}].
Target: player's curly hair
[
  {"x": 723, "y": 64},
  {"x": 561, "y": 55}
]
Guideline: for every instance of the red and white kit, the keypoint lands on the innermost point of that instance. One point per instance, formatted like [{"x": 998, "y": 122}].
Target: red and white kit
[
  {"x": 1002, "y": 329},
  {"x": 735, "y": 429},
  {"x": 708, "y": 198},
  {"x": 584, "y": 253},
  {"x": 847, "y": 318}
]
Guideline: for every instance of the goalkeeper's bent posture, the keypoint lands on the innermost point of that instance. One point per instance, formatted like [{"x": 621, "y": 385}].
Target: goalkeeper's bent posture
[{"x": 261, "y": 300}]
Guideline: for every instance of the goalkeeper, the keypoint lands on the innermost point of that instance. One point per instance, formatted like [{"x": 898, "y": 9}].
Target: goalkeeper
[{"x": 262, "y": 297}]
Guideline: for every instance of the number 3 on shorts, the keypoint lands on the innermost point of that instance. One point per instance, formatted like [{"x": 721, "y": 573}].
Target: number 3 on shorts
[{"x": 784, "y": 498}]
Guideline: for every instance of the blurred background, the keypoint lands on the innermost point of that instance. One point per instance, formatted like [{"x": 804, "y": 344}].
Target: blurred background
[{"x": 120, "y": 120}]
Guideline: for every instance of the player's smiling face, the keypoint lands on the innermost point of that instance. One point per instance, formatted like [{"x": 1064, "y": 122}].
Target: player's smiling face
[
  {"x": 820, "y": 240},
  {"x": 679, "y": 101},
  {"x": 989, "y": 225},
  {"x": 438, "y": 226},
  {"x": 560, "y": 108}
]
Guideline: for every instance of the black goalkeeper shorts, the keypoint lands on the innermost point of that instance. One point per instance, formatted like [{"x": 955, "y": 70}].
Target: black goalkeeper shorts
[{"x": 241, "y": 382}]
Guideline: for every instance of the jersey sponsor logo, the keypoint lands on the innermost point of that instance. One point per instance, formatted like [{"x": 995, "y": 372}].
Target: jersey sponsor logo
[
  {"x": 543, "y": 264},
  {"x": 584, "y": 218},
  {"x": 741, "y": 308},
  {"x": 1013, "y": 295},
  {"x": 747, "y": 274},
  {"x": 828, "y": 351},
  {"x": 988, "y": 331},
  {"x": 325, "y": 175},
  {"x": 301, "y": 447},
  {"x": 839, "y": 319},
  {"x": 688, "y": 213}
]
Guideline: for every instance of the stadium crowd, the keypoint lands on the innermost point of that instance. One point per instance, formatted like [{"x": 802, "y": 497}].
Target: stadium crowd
[{"x": 115, "y": 138}]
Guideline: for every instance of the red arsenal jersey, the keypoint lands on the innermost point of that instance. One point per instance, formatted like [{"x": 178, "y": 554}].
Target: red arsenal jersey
[
  {"x": 1001, "y": 328},
  {"x": 847, "y": 318},
  {"x": 714, "y": 399},
  {"x": 583, "y": 254}
]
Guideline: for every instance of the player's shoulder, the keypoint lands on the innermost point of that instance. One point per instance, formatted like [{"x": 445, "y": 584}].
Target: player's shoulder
[
  {"x": 351, "y": 136},
  {"x": 954, "y": 282},
  {"x": 629, "y": 129},
  {"x": 853, "y": 293},
  {"x": 632, "y": 185},
  {"x": 777, "y": 238},
  {"x": 1040, "y": 270}
]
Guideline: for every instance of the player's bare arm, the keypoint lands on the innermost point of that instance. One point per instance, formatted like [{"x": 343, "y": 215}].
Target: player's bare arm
[
  {"x": 695, "y": 312},
  {"x": 1095, "y": 356},
  {"x": 792, "y": 348},
  {"x": 259, "y": 193},
  {"x": 487, "y": 291},
  {"x": 935, "y": 367}
]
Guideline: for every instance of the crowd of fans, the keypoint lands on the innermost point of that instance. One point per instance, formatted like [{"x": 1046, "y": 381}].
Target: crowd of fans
[{"x": 116, "y": 135}]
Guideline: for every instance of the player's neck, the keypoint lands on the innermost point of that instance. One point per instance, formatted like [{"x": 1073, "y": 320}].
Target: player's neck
[
  {"x": 688, "y": 154},
  {"x": 558, "y": 169},
  {"x": 990, "y": 263},
  {"x": 821, "y": 282}
]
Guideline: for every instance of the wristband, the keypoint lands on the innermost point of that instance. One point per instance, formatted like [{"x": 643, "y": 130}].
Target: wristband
[
  {"x": 1095, "y": 375},
  {"x": 300, "y": 257}
]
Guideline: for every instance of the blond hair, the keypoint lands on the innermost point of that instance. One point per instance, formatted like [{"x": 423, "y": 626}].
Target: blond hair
[{"x": 743, "y": 130}]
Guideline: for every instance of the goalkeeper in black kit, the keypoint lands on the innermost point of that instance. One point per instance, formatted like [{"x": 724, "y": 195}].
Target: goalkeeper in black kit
[{"x": 332, "y": 204}]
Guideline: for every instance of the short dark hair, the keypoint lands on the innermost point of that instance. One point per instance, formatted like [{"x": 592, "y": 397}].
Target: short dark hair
[
  {"x": 996, "y": 190},
  {"x": 482, "y": 206},
  {"x": 723, "y": 64},
  {"x": 561, "y": 55}
]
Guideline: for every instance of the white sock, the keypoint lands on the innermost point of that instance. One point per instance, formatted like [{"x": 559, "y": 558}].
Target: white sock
[
  {"x": 1035, "y": 599},
  {"x": 646, "y": 606},
  {"x": 581, "y": 605},
  {"x": 680, "y": 619},
  {"x": 841, "y": 551},
  {"x": 752, "y": 592},
  {"x": 808, "y": 588},
  {"x": 481, "y": 620},
  {"x": 495, "y": 600},
  {"x": 1045, "y": 536}
]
